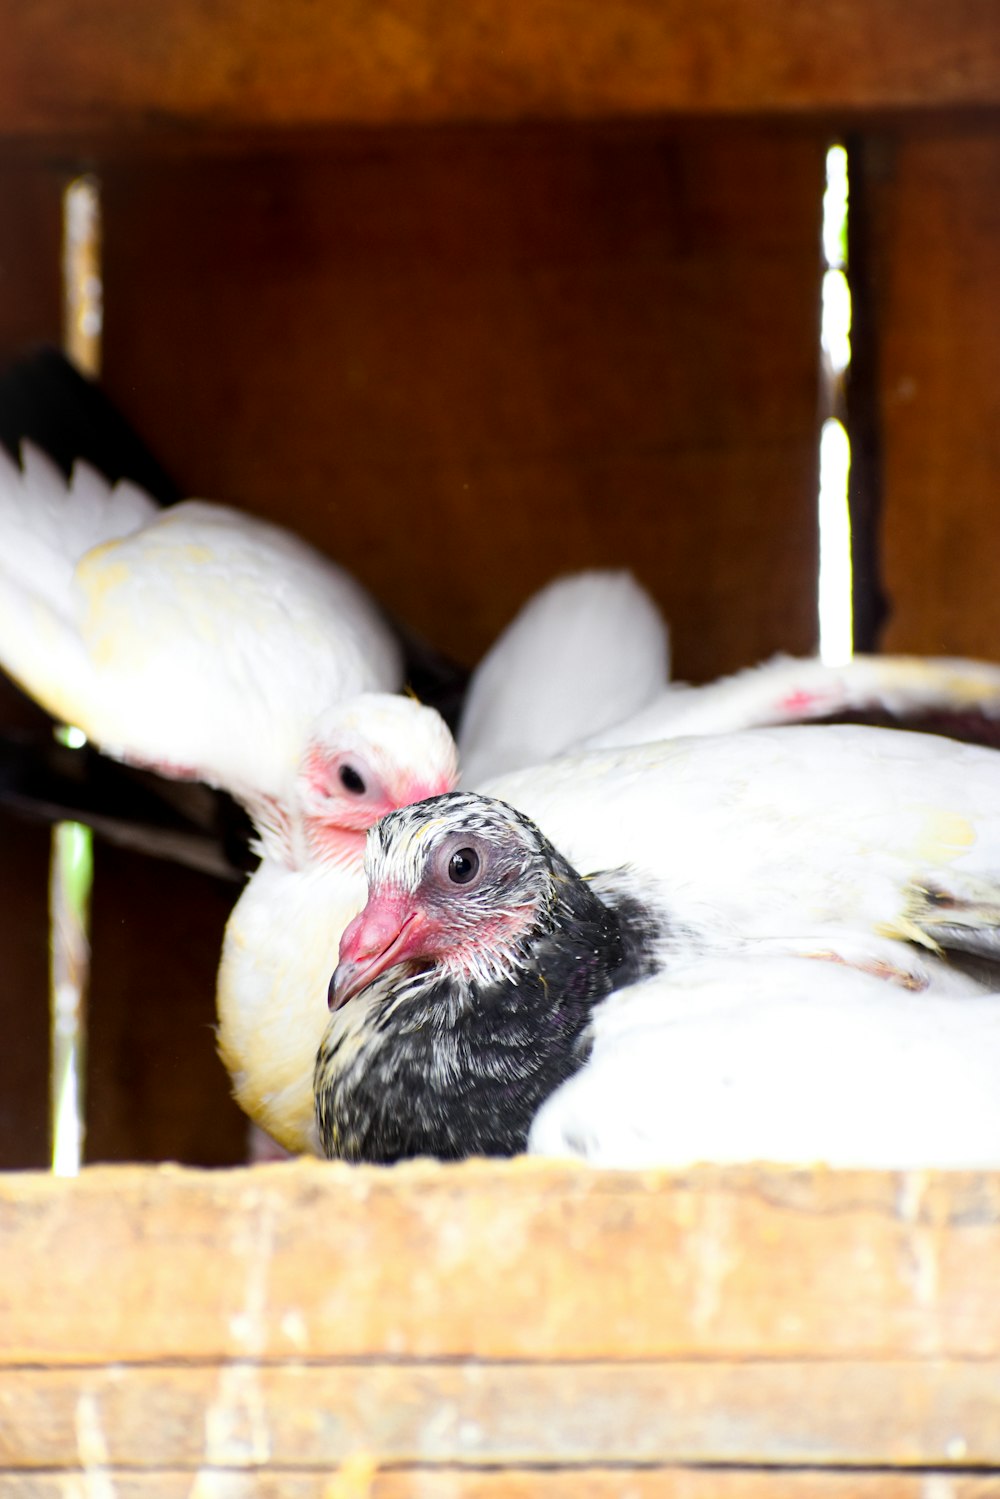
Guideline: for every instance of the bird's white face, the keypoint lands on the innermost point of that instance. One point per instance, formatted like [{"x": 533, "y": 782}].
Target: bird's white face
[
  {"x": 448, "y": 889},
  {"x": 366, "y": 758}
]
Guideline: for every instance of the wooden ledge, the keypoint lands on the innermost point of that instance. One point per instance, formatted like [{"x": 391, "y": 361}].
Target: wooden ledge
[
  {"x": 516, "y": 1260},
  {"x": 79, "y": 67},
  {"x": 498, "y": 1331}
]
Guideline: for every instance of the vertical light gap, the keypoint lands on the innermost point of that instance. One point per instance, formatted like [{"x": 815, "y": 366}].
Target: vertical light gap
[
  {"x": 71, "y": 866},
  {"x": 836, "y": 623}
]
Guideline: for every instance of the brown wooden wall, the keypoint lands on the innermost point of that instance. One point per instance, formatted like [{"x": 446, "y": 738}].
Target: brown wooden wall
[
  {"x": 30, "y": 301},
  {"x": 462, "y": 361},
  {"x": 933, "y": 204}
]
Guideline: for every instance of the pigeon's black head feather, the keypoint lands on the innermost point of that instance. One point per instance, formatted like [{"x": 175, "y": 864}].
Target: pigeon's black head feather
[{"x": 455, "y": 1059}]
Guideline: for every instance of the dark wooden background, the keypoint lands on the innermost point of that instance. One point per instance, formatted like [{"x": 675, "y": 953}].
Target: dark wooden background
[{"x": 469, "y": 298}]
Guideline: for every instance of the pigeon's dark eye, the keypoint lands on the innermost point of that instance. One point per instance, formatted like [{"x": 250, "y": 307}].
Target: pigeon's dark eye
[
  {"x": 463, "y": 866},
  {"x": 351, "y": 781}
]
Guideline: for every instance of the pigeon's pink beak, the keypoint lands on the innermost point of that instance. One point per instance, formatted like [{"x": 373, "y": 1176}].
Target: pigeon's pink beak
[{"x": 389, "y": 930}]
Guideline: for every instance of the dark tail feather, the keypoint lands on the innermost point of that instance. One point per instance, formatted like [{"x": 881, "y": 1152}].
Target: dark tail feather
[{"x": 45, "y": 399}]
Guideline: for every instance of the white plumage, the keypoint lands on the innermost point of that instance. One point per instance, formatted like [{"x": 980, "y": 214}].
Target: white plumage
[
  {"x": 827, "y": 848},
  {"x": 206, "y": 643},
  {"x": 281, "y": 940},
  {"x": 197, "y": 640},
  {"x": 815, "y": 916},
  {"x": 765, "y": 1058},
  {"x": 787, "y": 832},
  {"x": 584, "y": 653},
  {"x": 271, "y": 996},
  {"x": 790, "y": 690}
]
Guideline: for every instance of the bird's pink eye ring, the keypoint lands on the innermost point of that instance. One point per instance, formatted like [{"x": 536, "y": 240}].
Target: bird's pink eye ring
[
  {"x": 463, "y": 866},
  {"x": 352, "y": 781}
]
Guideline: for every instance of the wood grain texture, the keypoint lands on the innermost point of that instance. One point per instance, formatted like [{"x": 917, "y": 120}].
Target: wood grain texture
[
  {"x": 73, "y": 66},
  {"x": 313, "y": 1261},
  {"x": 935, "y": 207},
  {"x": 360, "y": 1481},
  {"x": 614, "y": 1413},
  {"x": 464, "y": 362}
]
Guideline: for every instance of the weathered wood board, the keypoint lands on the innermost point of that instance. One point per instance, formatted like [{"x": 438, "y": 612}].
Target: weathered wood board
[{"x": 473, "y": 1330}]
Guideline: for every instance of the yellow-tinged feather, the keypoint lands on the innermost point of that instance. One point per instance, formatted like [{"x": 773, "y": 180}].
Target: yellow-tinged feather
[
  {"x": 963, "y": 688},
  {"x": 64, "y": 696},
  {"x": 98, "y": 577},
  {"x": 907, "y": 930},
  {"x": 945, "y": 836}
]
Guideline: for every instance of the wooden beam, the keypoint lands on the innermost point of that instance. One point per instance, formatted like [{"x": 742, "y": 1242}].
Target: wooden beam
[
  {"x": 359, "y": 1480},
  {"x": 75, "y": 67},
  {"x": 908, "y": 1413},
  {"x": 528, "y": 1260},
  {"x": 499, "y": 1331}
]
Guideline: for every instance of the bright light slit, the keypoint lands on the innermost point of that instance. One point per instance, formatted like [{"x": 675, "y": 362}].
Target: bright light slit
[
  {"x": 69, "y": 910},
  {"x": 83, "y": 315},
  {"x": 835, "y": 325},
  {"x": 836, "y": 622},
  {"x": 71, "y": 868},
  {"x": 836, "y": 635}
]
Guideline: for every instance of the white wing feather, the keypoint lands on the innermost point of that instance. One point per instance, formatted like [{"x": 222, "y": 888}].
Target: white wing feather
[
  {"x": 585, "y": 652},
  {"x": 784, "y": 832},
  {"x": 786, "y": 690},
  {"x": 197, "y": 639}
]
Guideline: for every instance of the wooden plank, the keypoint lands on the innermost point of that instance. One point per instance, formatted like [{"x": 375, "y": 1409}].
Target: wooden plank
[
  {"x": 359, "y": 1481},
  {"x": 314, "y": 1261},
  {"x": 79, "y": 67},
  {"x": 303, "y": 1415},
  {"x": 605, "y": 355},
  {"x": 935, "y": 245}
]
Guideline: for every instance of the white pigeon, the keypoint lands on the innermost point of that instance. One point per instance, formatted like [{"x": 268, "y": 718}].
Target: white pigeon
[
  {"x": 208, "y": 644},
  {"x": 197, "y": 640},
  {"x": 280, "y": 946},
  {"x": 485, "y": 969},
  {"x": 584, "y": 653},
  {"x": 790, "y": 690}
]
